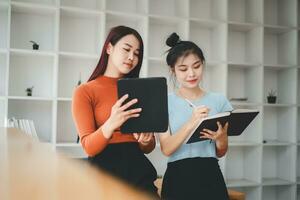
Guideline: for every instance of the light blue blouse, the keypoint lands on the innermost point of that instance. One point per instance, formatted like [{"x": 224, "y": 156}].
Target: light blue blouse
[{"x": 180, "y": 111}]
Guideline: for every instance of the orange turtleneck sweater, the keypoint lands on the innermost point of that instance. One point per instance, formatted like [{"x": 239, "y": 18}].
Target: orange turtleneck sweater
[{"x": 91, "y": 107}]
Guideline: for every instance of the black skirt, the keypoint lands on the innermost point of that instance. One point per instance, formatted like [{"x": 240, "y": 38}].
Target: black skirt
[
  {"x": 128, "y": 162},
  {"x": 194, "y": 178}
]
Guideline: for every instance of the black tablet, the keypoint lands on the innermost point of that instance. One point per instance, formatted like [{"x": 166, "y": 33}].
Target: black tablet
[{"x": 152, "y": 98}]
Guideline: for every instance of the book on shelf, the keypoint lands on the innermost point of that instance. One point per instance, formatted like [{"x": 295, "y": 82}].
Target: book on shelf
[
  {"x": 238, "y": 121},
  {"x": 26, "y": 125}
]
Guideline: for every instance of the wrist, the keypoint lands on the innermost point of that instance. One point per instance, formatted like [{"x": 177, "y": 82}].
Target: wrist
[
  {"x": 106, "y": 130},
  {"x": 221, "y": 142},
  {"x": 190, "y": 126}
]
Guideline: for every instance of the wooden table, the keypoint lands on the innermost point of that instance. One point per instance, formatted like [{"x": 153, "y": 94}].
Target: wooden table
[{"x": 32, "y": 170}]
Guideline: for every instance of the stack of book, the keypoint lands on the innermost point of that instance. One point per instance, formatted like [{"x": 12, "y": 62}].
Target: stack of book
[{"x": 26, "y": 125}]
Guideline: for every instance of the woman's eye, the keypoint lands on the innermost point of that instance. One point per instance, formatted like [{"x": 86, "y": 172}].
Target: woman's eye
[
  {"x": 198, "y": 66},
  {"x": 182, "y": 70},
  {"x": 126, "y": 49},
  {"x": 136, "y": 54}
]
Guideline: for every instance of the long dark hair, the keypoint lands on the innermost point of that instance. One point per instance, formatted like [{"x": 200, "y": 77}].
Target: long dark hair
[
  {"x": 181, "y": 48},
  {"x": 115, "y": 34}
]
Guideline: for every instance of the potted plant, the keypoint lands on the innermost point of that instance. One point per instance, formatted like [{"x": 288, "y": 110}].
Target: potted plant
[
  {"x": 35, "y": 45},
  {"x": 271, "y": 96},
  {"x": 29, "y": 91}
]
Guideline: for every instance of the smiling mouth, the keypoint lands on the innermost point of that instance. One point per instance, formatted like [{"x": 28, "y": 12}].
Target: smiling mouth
[
  {"x": 192, "y": 81},
  {"x": 129, "y": 64}
]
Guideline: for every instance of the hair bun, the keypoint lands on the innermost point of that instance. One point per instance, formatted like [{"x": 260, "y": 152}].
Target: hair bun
[{"x": 172, "y": 40}]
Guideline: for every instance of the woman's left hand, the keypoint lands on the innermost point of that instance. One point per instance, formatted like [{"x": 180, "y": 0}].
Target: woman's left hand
[
  {"x": 143, "y": 138},
  {"x": 219, "y": 135}
]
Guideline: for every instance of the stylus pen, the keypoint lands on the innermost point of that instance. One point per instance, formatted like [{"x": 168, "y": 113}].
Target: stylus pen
[
  {"x": 190, "y": 103},
  {"x": 194, "y": 106}
]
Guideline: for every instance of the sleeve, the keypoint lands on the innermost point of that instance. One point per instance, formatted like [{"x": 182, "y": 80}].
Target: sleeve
[
  {"x": 91, "y": 138},
  {"x": 225, "y": 104}
]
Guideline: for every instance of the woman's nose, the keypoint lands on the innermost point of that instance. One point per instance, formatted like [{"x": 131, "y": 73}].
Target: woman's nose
[
  {"x": 130, "y": 56},
  {"x": 191, "y": 72}
]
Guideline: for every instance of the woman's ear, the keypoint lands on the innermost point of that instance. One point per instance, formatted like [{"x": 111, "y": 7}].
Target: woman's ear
[{"x": 109, "y": 48}]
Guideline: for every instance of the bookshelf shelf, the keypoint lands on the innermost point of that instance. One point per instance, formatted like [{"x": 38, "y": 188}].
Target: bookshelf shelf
[
  {"x": 281, "y": 13},
  {"x": 241, "y": 183},
  {"x": 278, "y": 192},
  {"x": 245, "y": 43},
  {"x": 4, "y": 20},
  {"x": 35, "y": 2},
  {"x": 129, "y": 6},
  {"x": 23, "y": 72},
  {"x": 66, "y": 131},
  {"x": 212, "y": 38},
  {"x": 89, "y": 27},
  {"x": 275, "y": 121},
  {"x": 91, "y": 5},
  {"x": 250, "y": 48},
  {"x": 2, "y": 111},
  {"x": 160, "y": 29},
  {"x": 3, "y": 74},
  {"x": 243, "y": 144},
  {"x": 207, "y": 9},
  {"x": 241, "y": 78},
  {"x": 25, "y": 52},
  {"x": 238, "y": 168},
  {"x": 71, "y": 70},
  {"x": 138, "y": 23},
  {"x": 283, "y": 81},
  {"x": 27, "y": 109},
  {"x": 36, "y": 23},
  {"x": 171, "y": 8},
  {"x": 215, "y": 78},
  {"x": 298, "y": 164},
  {"x": 30, "y": 98},
  {"x": 245, "y": 11},
  {"x": 279, "y": 46},
  {"x": 275, "y": 171}
]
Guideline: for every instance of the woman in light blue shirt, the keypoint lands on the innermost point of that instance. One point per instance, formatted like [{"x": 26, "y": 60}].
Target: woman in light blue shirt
[{"x": 193, "y": 171}]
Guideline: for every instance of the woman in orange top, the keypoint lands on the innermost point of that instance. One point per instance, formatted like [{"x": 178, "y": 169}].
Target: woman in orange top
[{"x": 98, "y": 114}]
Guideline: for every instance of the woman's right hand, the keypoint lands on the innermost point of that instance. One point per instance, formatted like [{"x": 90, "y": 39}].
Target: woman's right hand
[
  {"x": 199, "y": 113},
  {"x": 119, "y": 115}
]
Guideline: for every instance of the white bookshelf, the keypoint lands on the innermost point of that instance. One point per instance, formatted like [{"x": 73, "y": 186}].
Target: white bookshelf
[
  {"x": 298, "y": 164},
  {"x": 250, "y": 47},
  {"x": 279, "y": 192},
  {"x": 241, "y": 79},
  {"x": 71, "y": 70},
  {"x": 245, "y": 11},
  {"x": 208, "y": 9},
  {"x": 275, "y": 170},
  {"x": 215, "y": 71},
  {"x": 40, "y": 111},
  {"x": 2, "y": 111},
  {"x": 280, "y": 46},
  {"x": 280, "y": 13},
  {"x": 239, "y": 168},
  {"x": 91, "y": 5}
]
